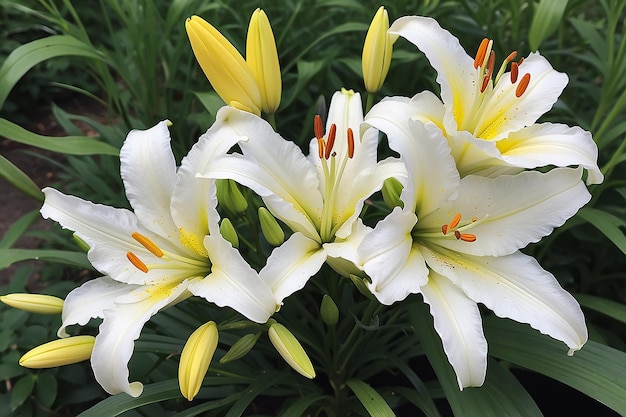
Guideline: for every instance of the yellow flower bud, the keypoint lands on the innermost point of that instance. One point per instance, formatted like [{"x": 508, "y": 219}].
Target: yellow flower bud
[
  {"x": 290, "y": 349},
  {"x": 392, "y": 188},
  {"x": 329, "y": 311},
  {"x": 262, "y": 58},
  {"x": 59, "y": 352},
  {"x": 230, "y": 197},
  {"x": 195, "y": 359},
  {"x": 224, "y": 66},
  {"x": 229, "y": 233},
  {"x": 271, "y": 229},
  {"x": 34, "y": 303},
  {"x": 240, "y": 348},
  {"x": 377, "y": 51}
]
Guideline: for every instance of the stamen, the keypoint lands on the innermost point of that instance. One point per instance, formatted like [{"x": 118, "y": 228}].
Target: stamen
[
  {"x": 520, "y": 61},
  {"x": 137, "y": 262},
  {"x": 514, "y": 72},
  {"x": 350, "y": 143},
  {"x": 485, "y": 83},
  {"x": 455, "y": 221},
  {"x": 444, "y": 229},
  {"x": 480, "y": 54},
  {"x": 330, "y": 141},
  {"x": 491, "y": 63},
  {"x": 318, "y": 127},
  {"x": 511, "y": 56},
  {"x": 148, "y": 244},
  {"x": 523, "y": 85},
  {"x": 467, "y": 237},
  {"x": 320, "y": 147}
]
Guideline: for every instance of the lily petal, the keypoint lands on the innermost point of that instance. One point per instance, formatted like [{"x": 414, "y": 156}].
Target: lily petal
[{"x": 457, "y": 321}]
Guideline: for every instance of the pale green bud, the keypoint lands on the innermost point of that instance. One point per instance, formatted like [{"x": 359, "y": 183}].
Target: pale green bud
[
  {"x": 392, "y": 188},
  {"x": 377, "y": 51},
  {"x": 34, "y": 303},
  {"x": 262, "y": 58},
  {"x": 271, "y": 229},
  {"x": 229, "y": 196},
  {"x": 361, "y": 285},
  {"x": 290, "y": 349},
  {"x": 240, "y": 348},
  {"x": 195, "y": 359},
  {"x": 59, "y": 352},
  {"x": 81, "y": 243},
  {"x": 329, "y": 311},
  {"x": 228, "y": 232},
  {"x": 223, "y": 65}
]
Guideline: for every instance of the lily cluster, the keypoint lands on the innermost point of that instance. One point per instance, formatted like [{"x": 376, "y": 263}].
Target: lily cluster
[{"x": 466, "y": 198}]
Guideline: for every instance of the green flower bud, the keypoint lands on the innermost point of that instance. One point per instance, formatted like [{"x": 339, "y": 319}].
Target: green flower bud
[
  {"x": 361, "y": 285},
  {"x": 392, "y": 188},
  {"x": 195, "y": 359},
  {"x": 329, "y": 311},
  {"x": 227, "y": 230},
  {"x": 81, "y": 243},
  {"x": 34, "y": 303},
  {"x": 271, "y": 229},
  {"x": 240, "y": 348},
  {"x": 59, "y": 352},
  {"x": 290, "y": 349},
  {"x": 229, "y": 196}
]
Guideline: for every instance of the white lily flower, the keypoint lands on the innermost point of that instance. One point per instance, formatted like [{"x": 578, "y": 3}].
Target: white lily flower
[
  {"x": 168, "y": 249},
  {"x": 319, "y": 197},
  {"x": 488, "y": 115},
  {"x": 456, "y": 241}
]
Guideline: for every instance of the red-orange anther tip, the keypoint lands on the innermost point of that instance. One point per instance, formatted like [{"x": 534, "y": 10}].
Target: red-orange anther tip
[
  {"x": 318, "y": 128},
  {"x": 514, "y": 72},
  {"x": 467, "y": 237},
  {"x": 350, "y": 143},
  {"x": 444, "y": 229},
  {"x": 491, "y": 63},
  {"x": 455, "y": 221},
  {"x": 511, "y": 56},
  {"x": 485, "y": 83},
  {"x": 320, "y": 147},
  {"x": 457, "y": 234},
  {"x": 330, "y": 140},
  {"x": 480, "y": 54},
  {"x": 137, "y": 262},
  {"x": 520, "y": 61},
  {"x": 523, "y": 85}
]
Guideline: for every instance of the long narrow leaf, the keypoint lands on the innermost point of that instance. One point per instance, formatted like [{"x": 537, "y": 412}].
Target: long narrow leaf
[
  {"x": 18, "y": 228},
  {"x": 607, "y": 223},
  {"x": 610, "y": 308},
  {"x": 11, "y": 256},
  {"x": 16, "y": 177},
  {"x": 370, "y": 398}
]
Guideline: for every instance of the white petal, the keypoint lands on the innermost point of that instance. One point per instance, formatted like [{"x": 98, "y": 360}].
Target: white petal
[
  {"x": 457, "y": 321},
  {"x": 121, "y": 326},
  {"x": 234, "y": 283},
  {"x": 512, "y": 210},
  {"x": 90, "y": 300},
  {"x": 148, "y": 170},
  {"x": 455, "y": 69},
  {"x": 343, "y": 254},
  {"x": 516, "y": 287},
  {"x": 290, "y": 265},
  {"x": 552, "y": 144}
]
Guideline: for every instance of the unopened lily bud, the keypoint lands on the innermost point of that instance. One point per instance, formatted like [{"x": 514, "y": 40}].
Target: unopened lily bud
[
  {"x": 361, "y": 285},
  {"x": 228, "y": 232},
  {"x": 81, "y": 243},
  {"x": 240, "y": 348},
  {"x": 272, "y": 231},
  {"x": 195, "y": 359},
  {"x": 377, "y": 51},
  {"x": 34, "y": 303},
  {"x": 59, "y": 352},
  {"x": 392, "y": 188},
  {"x": 290, "y": 349},
  {"x": 229, "y": 195},
  {"x": 262, "y": 58},
  {"x": 224, "y": 66},
  {"x": 329, "y": 311}
]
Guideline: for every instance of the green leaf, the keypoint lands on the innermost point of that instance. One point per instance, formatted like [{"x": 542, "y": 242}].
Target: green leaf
[
  {"x": 27, "y": 56},
  {"x": 18, "y": 228},
  {"x": 16, "y": 177},
  {"x": 10, "y": 256},
  {"x": 71, "y": 145},
  {"x": 21, "y": 390},
  {"x": 254, "y": 390},
  {"x": 46, "y": 389},
  {"x": 547, "y": 17},
  {"x": 607, "y": 223},
  {"x": 370, "y": 398},
  {"x": 299, "y": 407},
  {"x": 607, "y": 307},
  {"x": 210, "y": 100},
  {"x": 596, "y": 370}
]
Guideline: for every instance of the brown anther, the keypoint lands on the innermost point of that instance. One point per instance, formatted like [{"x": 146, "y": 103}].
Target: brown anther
[
  {"x": 467, "y": 237},
  {"x": 480, "y": 54},
  {"x": 318, "y": 127},
  {"x": 350, "y": 143},
  {"x": 320, "y": 147},
  {"x": 330, "y": 140},
  {"x": 137, "y": 262},
  {"x": 444, "y": 229},
  {"x": 520, "y": 61},
  {"x": 514, "y": 72},
  {"x": 148, "y": 244},
  {"x": 523, "y": 85},
  {"x": 485, "y": 83},
  {"x": 457, "y": 234},
  {"x": 491, "y": 63},
  {"x": 455, "y": 221},
  {"x": 511, "y": 56}
]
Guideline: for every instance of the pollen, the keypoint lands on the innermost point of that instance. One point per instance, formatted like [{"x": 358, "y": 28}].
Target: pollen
[
  {"x": 455, "y": 221},
  {"x": 137, "y": 262},
  {"x": 480, "y": 54},
  {"x": 318, "y": 127},
  {"x": 514, "y": 72},
  {"x": 465, "y": 237},
  {"x": 330, "y": 141},
  {"x": 350, "y": 143},
  {"x": 522, "y": 86},
  {"x": 147, "y": 243}
]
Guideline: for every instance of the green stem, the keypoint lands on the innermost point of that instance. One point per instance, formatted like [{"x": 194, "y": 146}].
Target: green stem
[{"x": 370, "y": 101}]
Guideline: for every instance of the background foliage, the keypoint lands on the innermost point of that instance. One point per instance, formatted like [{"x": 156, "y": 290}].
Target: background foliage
[{"x": 133, "y": 59}]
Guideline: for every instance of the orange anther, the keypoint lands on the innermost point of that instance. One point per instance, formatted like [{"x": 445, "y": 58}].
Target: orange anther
[
  {"x": 350, "y": 143},
  {"x": 320, "y": 147},
  {"x": 523, "y": 85},
  {"x": 318, "y": 127},
  {"x": 330, "y": 141},
  {"x": 137, "y": 262},
  {"x": 511, "y": 56},
  {"x": 480, "y": 54},
  {"x": 148, "y": 244},
  {"x": 514, "y": 72},
  {"x": 467, "y": 237},
  {"x": 455, "y": 221},
  {"x": 444, "y": 229}
]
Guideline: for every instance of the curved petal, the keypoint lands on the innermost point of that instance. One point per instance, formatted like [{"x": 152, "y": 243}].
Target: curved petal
[
  {"x": 233, "y": 283},
  {"x": 90, "y": 300},
  {"x": 457, "y": 321},
  {"x": 455, "y": 68},
  {"x": 476, "y": 156},
  {"x": 148, "y": 170},
  {"x": 343, "y": 254},
  {"x": 290, "y": 265},
  {"x": 121, "y": 326},
  {"x": 516, "y": 287},
  {"x": 552, "y": 144},
  {"x": 511, "y": 210}
]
